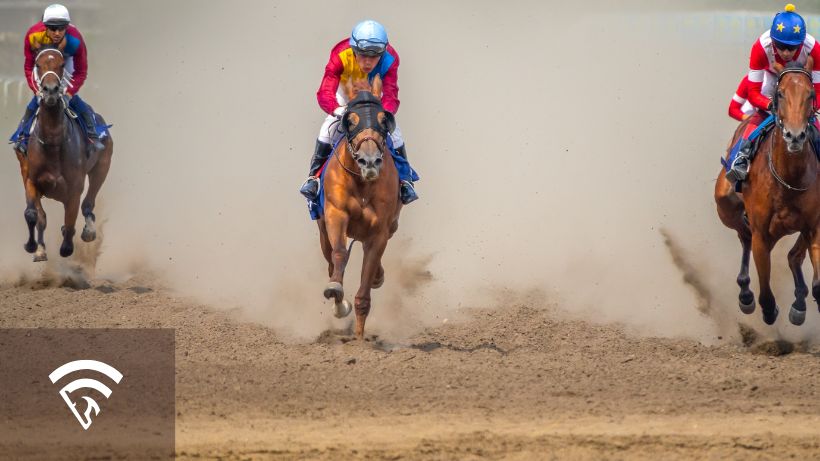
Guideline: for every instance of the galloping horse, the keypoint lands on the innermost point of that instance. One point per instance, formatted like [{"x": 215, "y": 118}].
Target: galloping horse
[
  {"x": 780, "y": 197},
  {"x": 361, "y": 187},
  {"x": 58, "y": 161}
]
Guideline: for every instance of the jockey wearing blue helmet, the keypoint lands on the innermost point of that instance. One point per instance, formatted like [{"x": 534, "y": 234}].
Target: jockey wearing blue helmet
[
  {"x": 785, "y": 43},
  {"x": 364, "y": 55}
]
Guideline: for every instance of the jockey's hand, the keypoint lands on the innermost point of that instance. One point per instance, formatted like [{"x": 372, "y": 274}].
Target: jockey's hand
[
  {"x": 744, "y": 116},
  {"x": 770, "y": 106},
  {"x": 339, "y": 111}
]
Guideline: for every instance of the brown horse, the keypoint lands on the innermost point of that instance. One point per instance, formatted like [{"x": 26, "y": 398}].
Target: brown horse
[
  {"x": 780, "y": 197},
  {"x": 58, "y": 161},
  {"x": 361, "y": 189}
]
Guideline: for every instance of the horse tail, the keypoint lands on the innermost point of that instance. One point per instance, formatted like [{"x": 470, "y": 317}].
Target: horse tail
[{"x": 46, "y": 182}]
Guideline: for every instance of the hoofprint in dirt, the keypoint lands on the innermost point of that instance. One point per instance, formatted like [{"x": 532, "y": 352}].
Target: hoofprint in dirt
[{"x": 514, "y": 382}]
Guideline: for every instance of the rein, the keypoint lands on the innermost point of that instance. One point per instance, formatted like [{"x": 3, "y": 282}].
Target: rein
[
  {"x": 779, "y": 122},
  {"x": 777, "y": 176},
  {"x": 353, "y": 150}
]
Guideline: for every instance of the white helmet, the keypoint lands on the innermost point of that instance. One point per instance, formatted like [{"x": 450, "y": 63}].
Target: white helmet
[{"x": 56, "y": 15}]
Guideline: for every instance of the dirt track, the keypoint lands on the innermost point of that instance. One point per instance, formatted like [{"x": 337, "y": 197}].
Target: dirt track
[{"x": 511, "y": 383}]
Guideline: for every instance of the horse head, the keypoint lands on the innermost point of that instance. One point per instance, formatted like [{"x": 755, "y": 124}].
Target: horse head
[
  {"x": 48, "y": 75},
  {"x": 366, "y": 125},
  {"x": 793, "y": 105}
]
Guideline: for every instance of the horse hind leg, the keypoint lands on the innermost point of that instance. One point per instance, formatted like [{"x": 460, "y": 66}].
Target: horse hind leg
[{"x": 797, "y": 314}]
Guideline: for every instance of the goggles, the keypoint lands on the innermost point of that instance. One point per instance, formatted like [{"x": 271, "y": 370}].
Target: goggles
[{"x": 369, "y": 47}]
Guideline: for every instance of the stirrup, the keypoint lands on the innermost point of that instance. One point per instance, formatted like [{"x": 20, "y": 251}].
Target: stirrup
[{"x": 310, "y": 188}]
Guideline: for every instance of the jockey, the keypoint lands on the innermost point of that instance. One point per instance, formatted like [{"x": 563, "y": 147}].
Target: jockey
[
  {"x": 365, "y": 54},
  {"x": 740, "y": 108},
  {"x": 56, "y": 29},
  {"x": 786, "y": 42}
]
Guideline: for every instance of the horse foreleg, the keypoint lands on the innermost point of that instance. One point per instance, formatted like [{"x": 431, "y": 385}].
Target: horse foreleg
[
  {"x": 30, "y": 214},
  {"x": 761, "y": 248},
  {"x": 797, "y": 314},
  {"x": 336, "y": 226},
  {"x": 40, "y": 254},
  {"x": 72, "y": 209},
  {"x": 96, "y": 177},
  {"x": 371, "y": 266},
  {"x": 327, "y": 250},
  {"x": 746, "y": 299}
]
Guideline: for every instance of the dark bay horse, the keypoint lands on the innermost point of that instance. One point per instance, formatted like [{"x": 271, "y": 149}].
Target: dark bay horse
[
  {"x": 58, "y": 161},
  {"x": 361, "y": 187},
  {"x": 780, "y": 197}
]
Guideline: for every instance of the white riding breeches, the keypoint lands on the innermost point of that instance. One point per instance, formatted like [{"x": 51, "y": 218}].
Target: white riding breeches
[{"x": 330, "y": 132}]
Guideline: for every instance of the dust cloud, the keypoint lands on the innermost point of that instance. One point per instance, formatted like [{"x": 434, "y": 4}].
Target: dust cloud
[{"x": 553, "y": 144}]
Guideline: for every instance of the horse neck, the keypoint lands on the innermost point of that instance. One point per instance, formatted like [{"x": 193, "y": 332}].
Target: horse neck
[
  {"x": 795, "y": 169},
  {"x": 51, "y": 122}
]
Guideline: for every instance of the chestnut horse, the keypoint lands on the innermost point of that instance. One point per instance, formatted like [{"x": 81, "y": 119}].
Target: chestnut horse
[
  {"x": 361, "y": 187},
  {"x": 58, "y": 161},
  {"x": 781, "y": 196}
]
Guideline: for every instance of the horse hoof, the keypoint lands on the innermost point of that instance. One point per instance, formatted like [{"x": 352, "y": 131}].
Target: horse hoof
[
  {"x": 40, "y": 258},
  {"x": 342, "y": 309},
  {"x": 334, "y": 290},
  {"x": 88, "y": 235},
  {"x": 747, "y": 308},
  {"x": 771, "y": 317},
  {"x": 796, "y": 316},
  {"x": 30, "y": 247},
  {"x": 378, "y": 282},
  {"x": 66, "y": 250}
]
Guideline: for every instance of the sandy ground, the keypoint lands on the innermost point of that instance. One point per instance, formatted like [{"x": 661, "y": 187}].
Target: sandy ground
[{"x": 514, "y": 382}]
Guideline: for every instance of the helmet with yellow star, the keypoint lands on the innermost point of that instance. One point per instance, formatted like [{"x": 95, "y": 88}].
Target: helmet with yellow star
[{"x": 788, "y": 28}]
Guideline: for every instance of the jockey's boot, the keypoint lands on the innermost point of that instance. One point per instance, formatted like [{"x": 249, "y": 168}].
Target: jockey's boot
[
  {"x": 310, "y": 188},
  {"x": 740, "y": 166},
  {"x": 91, "y": 131},
  {"x": 20, "y": 144},
  {"x": 407, "y": 193}
]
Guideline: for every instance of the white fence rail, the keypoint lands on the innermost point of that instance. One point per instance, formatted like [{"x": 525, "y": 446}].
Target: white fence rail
[{"x": 13, "y": 91}]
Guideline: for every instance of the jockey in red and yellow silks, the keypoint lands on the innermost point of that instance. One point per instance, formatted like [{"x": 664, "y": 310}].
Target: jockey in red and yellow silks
[
  {"x": 786, "y": 42},
  {"x": 365, "y": 54},
  {"x": 56, "y": 30}
]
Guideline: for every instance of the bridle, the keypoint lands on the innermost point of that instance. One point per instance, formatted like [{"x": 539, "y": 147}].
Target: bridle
[
  {"x": 38, "y": 79},
  {"x": 354, "y": 145},
  {"x": 776, "y": 99},
  {"x": 779, "y": 123}
]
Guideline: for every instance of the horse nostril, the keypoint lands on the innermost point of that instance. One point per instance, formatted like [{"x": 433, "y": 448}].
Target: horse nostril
[
  {"x": 361, "y": 162},
  {"x": 378, "y": 162},
  {"x": 802, "y": 136},
  {"x": 788, "y": 135}
]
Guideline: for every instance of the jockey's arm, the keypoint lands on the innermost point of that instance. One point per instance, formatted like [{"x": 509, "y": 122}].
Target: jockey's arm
[
  {"x": 758, "y": 65},
  {"x": 80, "y": 65},
  {"x": 815, "y": 74},
  {"x": 326, "y": 95},
  {"x": 390, "y": 87},
  {"x": 28, "y": 65}
]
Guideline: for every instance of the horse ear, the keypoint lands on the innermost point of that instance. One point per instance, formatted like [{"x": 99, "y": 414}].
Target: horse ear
[
  {"x": 387, "y": 121},
  {"x": 376, "y": 88},
  {"x": 349, "y": 121}
]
